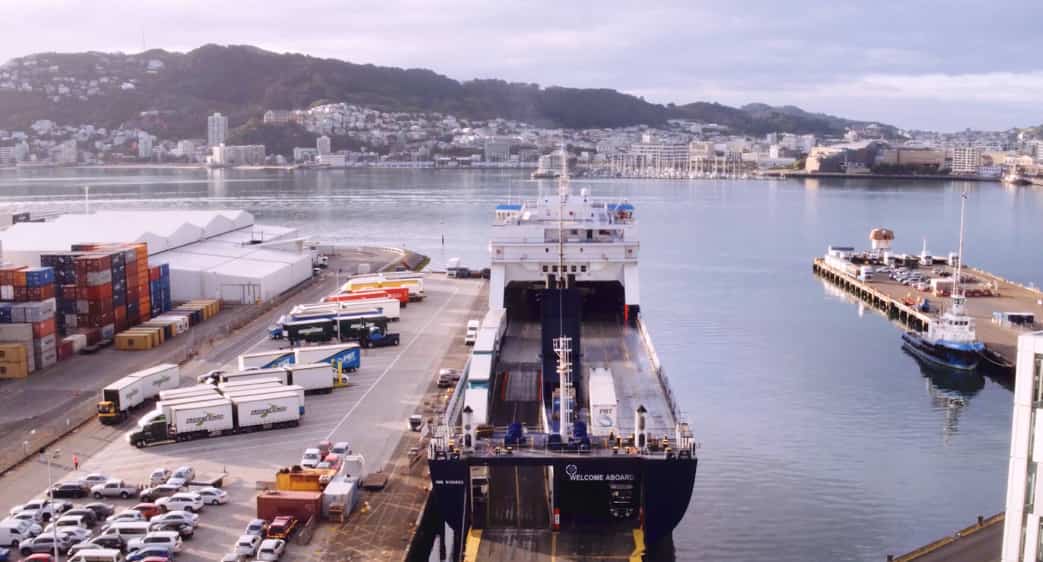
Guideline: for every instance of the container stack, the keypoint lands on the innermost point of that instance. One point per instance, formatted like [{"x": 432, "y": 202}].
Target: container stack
[
  {"x": 159, "y": 289},
  {"x": 28, "y": 335},
  {"x": 167, "y": 325}
]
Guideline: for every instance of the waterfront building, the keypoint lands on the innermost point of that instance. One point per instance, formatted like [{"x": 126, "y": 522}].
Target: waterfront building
[
  {"x": 304, "y": 154},
  {"x": 144, "y": 145},
  {"x": 1023, "y": 523},
  {"x": 65, "y": 153},
  {"x": 186, "y": 148},
  {"x": 216, "y": 129},
  {"x": 966, "y": 159},
  {"x": 237, "y": 155},
  {"x": 322, "y": 145},
  {"x": 497, "y": 149},
  {"x": 332, "y": 160}
]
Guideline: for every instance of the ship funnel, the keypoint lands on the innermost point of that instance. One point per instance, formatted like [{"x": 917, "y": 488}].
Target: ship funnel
[
  {"x": 469, "y": 429},
  {"x": 640, "y": 428}
]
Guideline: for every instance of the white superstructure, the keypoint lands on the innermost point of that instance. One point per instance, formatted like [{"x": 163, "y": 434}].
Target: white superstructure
[
  {"x": 601, "y": 242},
  {"x": 1024, "y": 516}
]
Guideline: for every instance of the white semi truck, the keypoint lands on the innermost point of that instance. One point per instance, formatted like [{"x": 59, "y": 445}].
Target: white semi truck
[
  {"x": 221, "y": 416},
  {"x": 118, "y": 398}
]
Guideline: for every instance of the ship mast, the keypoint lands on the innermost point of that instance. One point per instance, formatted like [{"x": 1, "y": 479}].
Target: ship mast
[
  {"x": 957, "y": 295},
  {"x": 563, "y": 343}
]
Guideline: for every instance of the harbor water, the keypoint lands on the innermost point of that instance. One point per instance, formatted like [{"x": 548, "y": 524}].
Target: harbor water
[{"x": 820, "y": 439}]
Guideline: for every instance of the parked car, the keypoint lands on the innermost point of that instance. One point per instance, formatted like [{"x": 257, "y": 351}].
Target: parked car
[
  {"x": 74, "y": 533},
  {"x": 163, "y": 490},
  {"x": 112, "y": 542},
  {"x": 177, "y": 516},
  {"x": 271, "y": 550},
  {"x": 186, "y": 473},
  {"x": 184, "y": 530},
  {"x": 114, "y": 488},
  {"x": 39, "y": 557},
  {"x": 311, "y": 457},
  {"x": 448, "y": 377},
  {"x": 187, "y": 501},
  {"x": 94, "y": 479},
  {"x": 90, "y": 518},
  {"x": 213, "y": 496},
  {"x": 257, "y": 527},
  {"x": 341, "y": 448},
  {"x": 30, "y": 518},
  {"x": 67, "y": 520},
  {"x": 127, "y": 515},
  {"x": 169, "y": 539},
  {"x": 282, "y": 527},
  {"x": 101, "y": 509},
  {"x": 43, "y": 509},
  {"x": 158, "y": 476},
  {"x": 148, "y": 509},
  {"x": 71, "y": 489},
  {"x": 233, "y": 557},
  {"x": 247, "y": 545},
  {"x": 155, "y": 552},
  {"x": 44, "y": 543}
]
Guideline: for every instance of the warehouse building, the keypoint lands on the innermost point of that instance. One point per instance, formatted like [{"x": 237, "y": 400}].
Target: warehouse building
[{"x": 212, "y": 254}]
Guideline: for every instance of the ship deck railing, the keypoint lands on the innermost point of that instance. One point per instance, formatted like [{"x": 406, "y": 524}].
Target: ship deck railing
[{"x": 539, "y": 445}]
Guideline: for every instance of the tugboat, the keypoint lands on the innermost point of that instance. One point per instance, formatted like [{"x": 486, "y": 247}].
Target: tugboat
[{"x": 951, "y": 340}]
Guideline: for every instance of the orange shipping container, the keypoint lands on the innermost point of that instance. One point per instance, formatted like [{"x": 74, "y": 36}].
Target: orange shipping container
[{"x": 43, "y": 329}]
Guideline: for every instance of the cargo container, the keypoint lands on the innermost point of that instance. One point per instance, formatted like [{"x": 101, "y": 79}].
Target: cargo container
[
  {"x": 299, "y": 505},
  {"x": 194, "y": 390},
  {"x": 344, "y": 355},
  {"x": 299, "y": 479},
  {"x": 369, "y": 283},
  {"x": 401, "y": 294},
  {"x": 388, "y": 307},
  {"x": 246, "y": 392},
  {"x": 128, "y": 392},
  {"x": 256, "y": 374},
  {"x": 266, "y": 359},
  {"x": 604, "y": 408},
  {"x": 251, "y": 383}
]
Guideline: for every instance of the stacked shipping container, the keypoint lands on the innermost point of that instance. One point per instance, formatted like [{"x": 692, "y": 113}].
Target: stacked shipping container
[{"x": 28, "y": 339}]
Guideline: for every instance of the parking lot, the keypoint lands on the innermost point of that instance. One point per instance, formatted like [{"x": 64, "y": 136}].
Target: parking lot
[{"x": 370, "y": 413}]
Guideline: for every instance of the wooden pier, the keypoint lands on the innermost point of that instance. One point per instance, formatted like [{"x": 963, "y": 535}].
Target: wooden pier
[{"x": 886, "y": 296}]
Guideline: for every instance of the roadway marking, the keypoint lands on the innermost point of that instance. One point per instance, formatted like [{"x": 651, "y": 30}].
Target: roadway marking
[{"x": 419, "y": 333}]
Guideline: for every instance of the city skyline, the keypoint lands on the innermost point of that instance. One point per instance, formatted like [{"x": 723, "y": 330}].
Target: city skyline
[{"x": 918, "y": 65}]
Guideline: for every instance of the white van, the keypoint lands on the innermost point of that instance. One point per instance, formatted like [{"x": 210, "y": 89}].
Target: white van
[
  {"x": 98, "y": 555},
  {"x": 128, "y": 530},
  {"x": 14, "y": 531},
  {"x": 471, "y": 335}
]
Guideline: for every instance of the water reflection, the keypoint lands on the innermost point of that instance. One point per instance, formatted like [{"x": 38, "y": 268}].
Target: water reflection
[{"x": 950, "y": 391}]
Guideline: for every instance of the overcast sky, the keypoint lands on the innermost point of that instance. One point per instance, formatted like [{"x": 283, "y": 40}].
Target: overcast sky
[{"x": 943, "y": 65}]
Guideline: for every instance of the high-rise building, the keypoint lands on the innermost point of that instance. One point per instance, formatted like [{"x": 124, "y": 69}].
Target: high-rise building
[
  {"x": 966, "y": 159},
  {"x": 322, "y": 144},
  {"x": 1024, "y": 516},
  {"x": 144, "y": 145},
  {"x": 216, "y": 129}
]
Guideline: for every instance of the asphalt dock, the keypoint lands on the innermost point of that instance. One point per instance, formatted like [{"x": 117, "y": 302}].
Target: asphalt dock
[
  {"x": 891, "y": 298},
  {"x": 980, "y": 542},
  {"x": 370, "y": 413}
]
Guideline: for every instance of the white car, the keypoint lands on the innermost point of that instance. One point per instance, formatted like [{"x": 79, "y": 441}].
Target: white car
[
  {"x": 341, "y": 448},
  {"x": 72, "y": 533},
  {"x": 34, "y": 525},
  {"x": 311, "y": 458},
  {"x": 187, "y": 501},
  {"x": 185, "y": 472},
  {"x": 42, "y": 509},
  {"x": 271, "y": 550},
  {"x": 213, "y": 496},
  {"x": 129, "y": 515},
  {"x": 178, "y": 516},
  {"x": 169, "y": 539},
  {"x": 72, "y": 521},
  {"x": 247, "y": 545},
  {"x": 94, "y": 479},
  {"x": 158, "y": 476}
]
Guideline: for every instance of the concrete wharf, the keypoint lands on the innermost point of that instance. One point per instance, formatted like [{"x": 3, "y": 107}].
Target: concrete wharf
[{"x": 887, "y": 297}]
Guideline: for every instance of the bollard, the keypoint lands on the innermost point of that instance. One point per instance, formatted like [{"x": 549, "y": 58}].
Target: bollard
[
  {"x": 981, "y": 520},
  {"x": 890, "y": 557}
]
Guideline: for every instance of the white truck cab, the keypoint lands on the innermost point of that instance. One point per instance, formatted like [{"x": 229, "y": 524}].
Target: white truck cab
[{"x": 471, "y": 335}]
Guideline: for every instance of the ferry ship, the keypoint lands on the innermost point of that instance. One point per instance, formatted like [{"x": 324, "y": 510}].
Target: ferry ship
[{"x": 563, "y": 437}]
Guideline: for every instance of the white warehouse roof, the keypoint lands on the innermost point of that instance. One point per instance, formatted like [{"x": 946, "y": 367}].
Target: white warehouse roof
[{"x": 210, "y": 253}]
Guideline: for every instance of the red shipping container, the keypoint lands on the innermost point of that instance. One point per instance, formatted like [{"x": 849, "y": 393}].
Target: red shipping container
[
  {"x": 43, "y": 329},
  {"x": 69, "y": 292},
  {"x": 65, "y": 350},
  {"x": 21, "y": 294},
  {"x": 93, "y": 306},
  {"x": 95, "y": 292},
  {"x": 18, "y": 278},
  {"x": 93, "y": 320},
  {"x": 119, "y": 313},
  {"x": 7, "y": 274}
]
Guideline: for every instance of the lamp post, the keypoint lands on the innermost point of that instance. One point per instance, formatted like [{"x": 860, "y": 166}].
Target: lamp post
[{"x": 50, "y": 492}]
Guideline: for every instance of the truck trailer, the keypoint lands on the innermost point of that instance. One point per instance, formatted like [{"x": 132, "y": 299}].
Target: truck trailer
[
  {"x": 266, "y": 359},
  {"x": 118, "y": 398},
  {"x": 223, "y": 416},
  {"x": 344, "y": 355}
]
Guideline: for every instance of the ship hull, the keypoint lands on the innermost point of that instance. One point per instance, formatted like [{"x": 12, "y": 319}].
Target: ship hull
[{"x": 964, "y": 358}]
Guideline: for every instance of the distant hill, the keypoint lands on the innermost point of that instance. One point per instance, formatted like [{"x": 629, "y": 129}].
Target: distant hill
[{"x": 170, "y": 94}]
